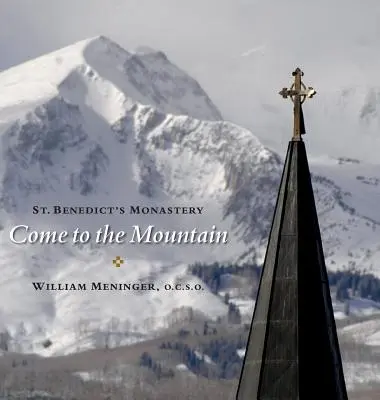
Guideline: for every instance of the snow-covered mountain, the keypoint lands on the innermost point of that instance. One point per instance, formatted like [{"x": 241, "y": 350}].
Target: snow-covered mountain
[{"x": 95, "y": 125}]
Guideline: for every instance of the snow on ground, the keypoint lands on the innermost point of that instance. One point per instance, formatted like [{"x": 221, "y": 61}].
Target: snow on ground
[
  {"x": 364, "y": 332},
  {"x": 240, "y": 353},
  {"x": 83, "y": 90},
  {"x": 359, "y": 182},
  {"x": 355, "y": 373},
  {"x": 246, "y": 307},
  {"x": 91, "y": 125},
  {"x": 360, "y": 373},
  {"x": 183, "y": 368},
  {"x": 202, "y": 356},
  {"x": 355, "y": 190},
  {"x": 356, "y": 307},
  {"x": 76, "y": 319}
]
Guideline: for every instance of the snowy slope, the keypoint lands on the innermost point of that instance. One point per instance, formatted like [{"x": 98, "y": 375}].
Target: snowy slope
[
  {"x": 355, "y": 373},
  {"x": 348, "y": 194},
  {"x": 107, "y": 78},
  {"x": 94, "y": 125}
]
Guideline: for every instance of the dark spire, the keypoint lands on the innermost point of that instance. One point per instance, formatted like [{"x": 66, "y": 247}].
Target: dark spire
[{"x": 293, "y": 350}]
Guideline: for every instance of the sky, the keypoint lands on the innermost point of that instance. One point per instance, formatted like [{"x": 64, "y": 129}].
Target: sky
[{"x": 241, "y": 51}]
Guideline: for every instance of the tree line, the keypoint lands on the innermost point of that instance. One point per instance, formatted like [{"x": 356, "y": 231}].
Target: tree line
[
  {"x": 353, "y": 283},
  {"x": 348, "y": 283},
  {"x": 216, "y": 359}
]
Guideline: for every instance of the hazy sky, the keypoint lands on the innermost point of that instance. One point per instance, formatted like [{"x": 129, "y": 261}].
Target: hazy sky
[{"x": 241, "y": 51}]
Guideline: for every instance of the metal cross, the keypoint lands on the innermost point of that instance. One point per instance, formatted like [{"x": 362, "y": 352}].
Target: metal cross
[
  {"x": 297, "y": 93},
  {"x": 117, "y": 262}
]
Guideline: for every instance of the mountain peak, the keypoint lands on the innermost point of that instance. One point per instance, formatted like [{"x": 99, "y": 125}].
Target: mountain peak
[
  {"x": 100, "y": 65},
  {"x": 93, "y": 124}
]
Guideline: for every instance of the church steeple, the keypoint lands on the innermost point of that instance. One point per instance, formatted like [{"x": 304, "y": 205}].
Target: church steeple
[{"x": 293, "y": 351}]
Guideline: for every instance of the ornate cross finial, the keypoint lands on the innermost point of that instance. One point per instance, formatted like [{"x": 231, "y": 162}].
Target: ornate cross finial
[{"x": 297, "y": 93}]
